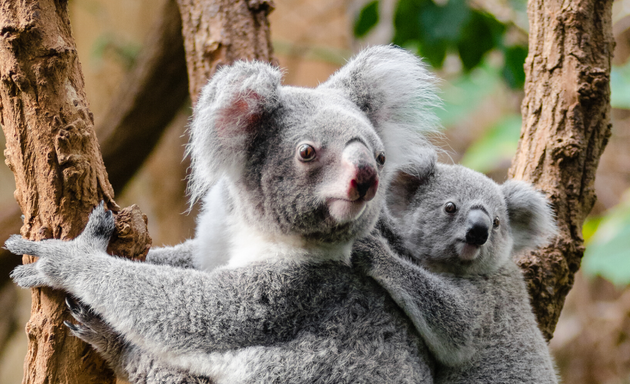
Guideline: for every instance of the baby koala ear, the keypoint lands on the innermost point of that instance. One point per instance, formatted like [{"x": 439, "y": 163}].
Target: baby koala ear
[
  {"x": 230, "y": 113},
  {"x": 398, "y": 94},
  {"x": 531, "y": 218},
  {"x": 405, "y": 184}
]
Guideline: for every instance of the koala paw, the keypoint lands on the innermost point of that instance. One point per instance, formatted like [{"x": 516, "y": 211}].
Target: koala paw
[
  {"x": 92, "y": 329},
  {"x": 27, "y": 276},
  {"x": 60, "y": 260},
  {"x": 99, "y": 228}
]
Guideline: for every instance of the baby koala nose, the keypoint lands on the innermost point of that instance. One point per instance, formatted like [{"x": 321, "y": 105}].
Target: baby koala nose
[{"x": 478, "y": 224}]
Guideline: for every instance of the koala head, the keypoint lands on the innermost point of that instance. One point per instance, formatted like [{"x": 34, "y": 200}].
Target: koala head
[
  {"x": 312, "y": 163},
  {"x": 459, "y": 221}
]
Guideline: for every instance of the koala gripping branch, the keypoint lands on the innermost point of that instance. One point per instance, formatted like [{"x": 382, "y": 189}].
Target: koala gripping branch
[
  {"x": 566, "y": 125},
  {"x": 52, "y": 150}
]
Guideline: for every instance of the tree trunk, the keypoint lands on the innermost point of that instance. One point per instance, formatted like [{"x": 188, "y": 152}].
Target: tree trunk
[
  {"x": 52, "y": 149},
  {"x": 149, "y": 97},
  {"x": 218, "y": 32},
  {"x": 566, "y": 124}
]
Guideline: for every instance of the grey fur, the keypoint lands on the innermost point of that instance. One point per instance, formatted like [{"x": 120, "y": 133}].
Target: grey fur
[
  {"x": 471, "y": 306},
  {"x": 288, "y": 308}
]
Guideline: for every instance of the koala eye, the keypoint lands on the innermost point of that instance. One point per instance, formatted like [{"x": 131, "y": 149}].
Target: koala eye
[
  {"x": 496, "y": 222},
  {"x": 450, "y": 207},
  {"x": 380, "y": 158},
  {"x": 306, "y": 152}
]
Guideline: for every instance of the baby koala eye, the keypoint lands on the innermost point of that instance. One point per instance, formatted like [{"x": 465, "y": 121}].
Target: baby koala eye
[
  {"x": 306, "y": 152},
  {"x": 496, "y": 222},
  {"x": 380, "y": 158},
  {"x": 450, "y": 207}
]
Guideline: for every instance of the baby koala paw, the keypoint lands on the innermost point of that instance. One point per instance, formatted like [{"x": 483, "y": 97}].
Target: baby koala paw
[{"x": 92, "y": 329}]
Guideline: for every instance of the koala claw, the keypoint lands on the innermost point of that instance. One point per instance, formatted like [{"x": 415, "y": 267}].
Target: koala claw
[{"x": 27, "y": 276}]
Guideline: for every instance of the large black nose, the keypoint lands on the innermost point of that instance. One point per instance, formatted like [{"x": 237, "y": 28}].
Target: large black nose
[{"x": 478, "y": 227}]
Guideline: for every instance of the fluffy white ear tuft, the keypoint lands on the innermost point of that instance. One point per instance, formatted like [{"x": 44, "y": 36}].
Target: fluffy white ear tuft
[
  {"x": 531, "y": 218},
  {"x": 229, "y": 112},
  {"x": 398, "y": 94}
]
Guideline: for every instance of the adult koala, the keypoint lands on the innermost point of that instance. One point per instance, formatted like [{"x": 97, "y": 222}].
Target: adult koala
[
  {"x": 302, "y": 174},
  {"x": 445, "y": 253}
]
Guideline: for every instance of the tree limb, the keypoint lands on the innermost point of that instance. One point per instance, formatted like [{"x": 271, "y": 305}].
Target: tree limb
[{"x": 566, "y": 125}]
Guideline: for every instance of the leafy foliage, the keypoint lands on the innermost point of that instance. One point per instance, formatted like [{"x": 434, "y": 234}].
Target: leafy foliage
[
  {"x": 608, "y": 248},
  {"x": 497, "y": 144},
  {"x": 367, "y": 19},
  {"x": 620, "y": 86},
  {"x": 434, "y": 30}
]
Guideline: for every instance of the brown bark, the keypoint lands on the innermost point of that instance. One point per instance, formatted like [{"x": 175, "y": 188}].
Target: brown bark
[
  {"x": 52, "y": 149},
  {"x": 566, "y": 124},
  {"x": 218, "y": 32},
  {"x": 147, "y": 100}
]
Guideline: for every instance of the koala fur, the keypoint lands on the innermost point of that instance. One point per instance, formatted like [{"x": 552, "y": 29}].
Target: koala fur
[
  {"x": 298, "y": 174},
  {"x": 451, "y": 268}
]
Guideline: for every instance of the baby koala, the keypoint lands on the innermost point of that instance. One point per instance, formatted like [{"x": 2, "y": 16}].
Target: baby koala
[
  {"x": 299, "y": 175},
  {"x": 445, "y": 250}
]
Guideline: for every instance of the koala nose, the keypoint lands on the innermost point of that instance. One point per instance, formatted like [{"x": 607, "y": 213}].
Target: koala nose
[
  {"x": 478, "y": 227},
  {"x": 363, "y": 176},
  {"x": 364, "y": 184}
]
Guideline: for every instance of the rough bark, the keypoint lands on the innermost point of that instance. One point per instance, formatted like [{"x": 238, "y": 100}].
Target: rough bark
[
  {"x": 147, "y": 100},
  {"x": 218, "y": 32},
  {"x": 52, "y": 149},
  {"x": 566, "y": 125}
]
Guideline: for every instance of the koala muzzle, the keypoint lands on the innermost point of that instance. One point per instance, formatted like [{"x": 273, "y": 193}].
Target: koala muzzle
[
  {"x": 478, "y": 227},
  {"x": 360, "y": 164}
]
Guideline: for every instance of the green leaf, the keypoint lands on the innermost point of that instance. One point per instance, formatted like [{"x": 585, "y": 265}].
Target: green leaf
[
  {"x": 463, "y": 95},
  {"x": 608, "y": 250},
  {"x": 497, "y": 145},
  {"x": 481, "y": 33},
  {"x": 513, "y": 71},
  {"x": 620, "y": 86},
  {"x": 367, "y": 19}
]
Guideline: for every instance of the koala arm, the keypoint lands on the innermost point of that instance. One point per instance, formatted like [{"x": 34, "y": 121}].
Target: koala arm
[
  {"x": 170, "y": 312},
  {"x": 180, "y": 255},
  {"x": 128, "y": 361},
  {"x": 438, "y": 306}
]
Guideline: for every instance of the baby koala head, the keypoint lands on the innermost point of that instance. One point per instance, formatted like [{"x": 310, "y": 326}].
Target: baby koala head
[
  {"x": 459, "y": 221},
  {"x": 310, "y": 164}
]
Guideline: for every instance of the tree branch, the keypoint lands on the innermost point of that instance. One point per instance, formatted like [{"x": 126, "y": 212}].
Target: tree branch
[{"x": 566, "y": 125}]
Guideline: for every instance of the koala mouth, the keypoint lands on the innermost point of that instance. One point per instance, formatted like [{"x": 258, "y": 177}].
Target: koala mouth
[
  {"x": 467, "y": 251},
  {"x": 343, "y": 210}
]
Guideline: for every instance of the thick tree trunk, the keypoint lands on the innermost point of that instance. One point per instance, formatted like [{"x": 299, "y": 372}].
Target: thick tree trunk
[
  {"x": 51, "y": 147},
  {"x": 566, "y": 124},
  {"x": 147, "y": 100},
  {"x": 218, "y": 32}
]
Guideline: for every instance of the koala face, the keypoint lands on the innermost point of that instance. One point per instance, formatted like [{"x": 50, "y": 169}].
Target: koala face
[
  {"x": 312, "y": 163},
  {"x": 460, "y": 221},
  {"x": 317, "y": 173}
]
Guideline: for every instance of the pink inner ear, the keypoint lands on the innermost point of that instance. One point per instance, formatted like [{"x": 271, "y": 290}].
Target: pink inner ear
[{"x": 240, "y": 116}]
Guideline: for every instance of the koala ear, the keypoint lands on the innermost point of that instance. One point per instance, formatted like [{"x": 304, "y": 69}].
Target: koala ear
[
  {"x": 398, "y": 94},
  {"x": 228, "y": 116},
  {"x": 531, "y": 218},
  {"x": 405, "y": 184}
]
